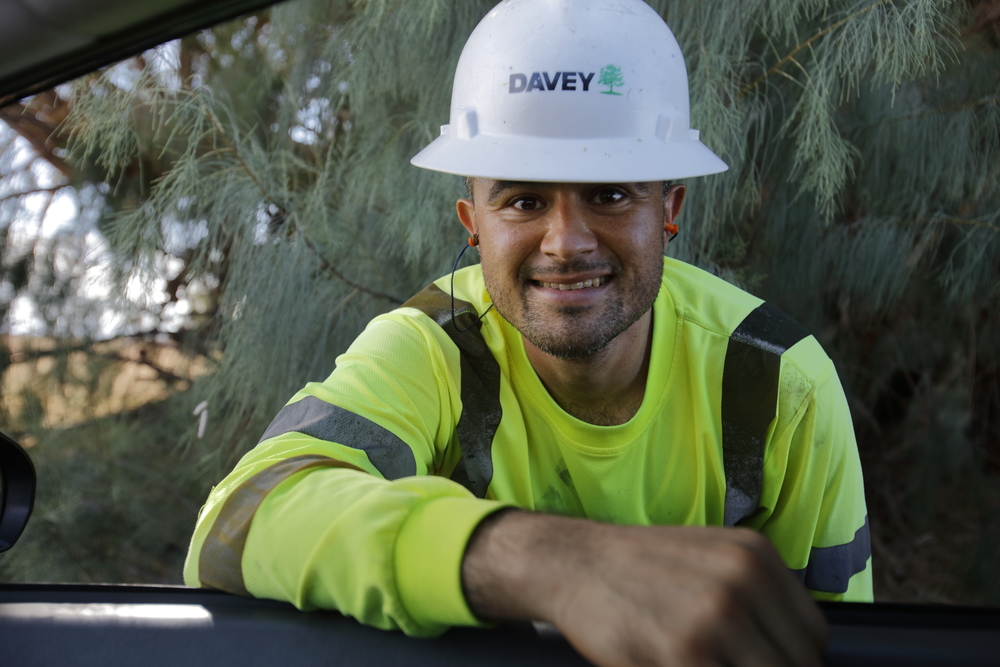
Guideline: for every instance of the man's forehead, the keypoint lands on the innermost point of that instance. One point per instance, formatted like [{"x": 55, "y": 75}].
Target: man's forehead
[{"x": 497, "y": 188}]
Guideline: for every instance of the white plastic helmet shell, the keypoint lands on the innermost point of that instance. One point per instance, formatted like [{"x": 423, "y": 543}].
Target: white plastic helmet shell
[{"x": 570, "y": 91}]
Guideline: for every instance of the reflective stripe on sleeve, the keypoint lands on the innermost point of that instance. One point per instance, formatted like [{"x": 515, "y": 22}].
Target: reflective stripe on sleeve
[
  {"x": 830, "y": 568},
  {"x": 480, "y": 392},
  {"x": 749, "y": 402},
  {"x": 220, "y": 563},
  {"x": 392, "y": 457}
]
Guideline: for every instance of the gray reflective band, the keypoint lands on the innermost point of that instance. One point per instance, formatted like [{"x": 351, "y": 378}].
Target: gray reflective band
[
  {"x": 481, "y": 411},
  {"x": 220, "y": 563},
  {"x": 830, "y": 568},
  {"x": 749, "y": 401},
  {"x": 392, "y": 457}
]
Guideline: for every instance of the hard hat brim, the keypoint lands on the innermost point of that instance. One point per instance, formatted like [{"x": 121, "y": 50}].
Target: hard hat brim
[{"x": 562, "y": 160}]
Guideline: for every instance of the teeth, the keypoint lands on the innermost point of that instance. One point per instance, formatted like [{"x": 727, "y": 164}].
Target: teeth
[{"x": 565, "y": 287}]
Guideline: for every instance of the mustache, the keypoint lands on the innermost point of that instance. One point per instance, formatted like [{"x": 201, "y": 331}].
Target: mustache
[{"x": 529, "y": 272}]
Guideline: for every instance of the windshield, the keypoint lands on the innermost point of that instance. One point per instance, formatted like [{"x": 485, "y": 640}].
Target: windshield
[{"x": 192, "y": 234}]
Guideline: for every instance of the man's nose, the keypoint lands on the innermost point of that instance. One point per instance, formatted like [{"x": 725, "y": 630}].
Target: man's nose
[{"x": 568, "y": 234}]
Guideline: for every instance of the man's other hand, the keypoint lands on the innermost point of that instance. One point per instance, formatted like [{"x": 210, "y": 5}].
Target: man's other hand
[{"x": 631, "y": 595}]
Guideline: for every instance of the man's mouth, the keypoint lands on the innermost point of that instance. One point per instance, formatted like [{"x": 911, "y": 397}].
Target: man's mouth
[{"x": 565, "y": 287}]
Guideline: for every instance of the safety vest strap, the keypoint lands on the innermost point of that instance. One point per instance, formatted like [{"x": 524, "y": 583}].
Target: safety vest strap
[
  {"x": 749, "y": 402},
  {"x": 480, "y": 392},
  {"x": 386, "y": 451},
  {"x": 220, "y": 563},
  {"x": 830, "y": 569}
]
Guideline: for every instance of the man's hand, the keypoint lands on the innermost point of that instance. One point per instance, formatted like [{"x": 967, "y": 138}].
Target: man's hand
[{"x": 630, "y": 595}]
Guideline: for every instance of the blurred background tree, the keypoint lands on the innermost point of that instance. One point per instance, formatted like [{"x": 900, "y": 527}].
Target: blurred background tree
[{"x": 191, "y": 235}]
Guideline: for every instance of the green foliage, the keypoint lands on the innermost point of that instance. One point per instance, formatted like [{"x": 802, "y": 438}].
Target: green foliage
[
  {"x": 114, "y": 503},
  {"x": 264, "y": 170}
]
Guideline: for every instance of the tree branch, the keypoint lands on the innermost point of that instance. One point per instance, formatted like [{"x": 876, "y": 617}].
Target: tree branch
[
  {"x": 924, "y": 221},
  {"x": 994, "y": 99},
  {"x": 36, "y": 133},
  {"x": 324, "y": 263},
  {"x": 330, "y": 268},
  {"x": 232, "y": 148},
  {"x": 965, "y": 222},
  {"x": 88, "y": 348},
  {"x": 164, "y": 374},
  {"x": 15, "y": 195},
  {"x": 808, "y": 43}
]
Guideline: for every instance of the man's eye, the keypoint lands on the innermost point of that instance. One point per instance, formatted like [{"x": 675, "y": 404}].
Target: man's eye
[
  {"x": 526, "y": 204},
  {"x": 609, "y": 196}
]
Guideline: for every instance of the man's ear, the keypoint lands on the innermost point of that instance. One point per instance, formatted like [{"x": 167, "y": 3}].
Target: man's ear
[
  {"x": 466, "y": 210},
  {"x": 672, "y": 203}
]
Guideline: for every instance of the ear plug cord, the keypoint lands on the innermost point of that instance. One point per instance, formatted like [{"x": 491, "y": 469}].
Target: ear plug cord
[{"x": 473, "y": 241}]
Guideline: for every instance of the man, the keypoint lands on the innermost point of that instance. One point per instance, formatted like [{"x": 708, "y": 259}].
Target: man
[{"x": 642, "y": 408}]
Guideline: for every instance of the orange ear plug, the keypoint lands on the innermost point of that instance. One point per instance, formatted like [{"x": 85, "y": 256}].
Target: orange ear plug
[
  {"x": 671, "y": 228},
  {"x": 474, "y": 240}
]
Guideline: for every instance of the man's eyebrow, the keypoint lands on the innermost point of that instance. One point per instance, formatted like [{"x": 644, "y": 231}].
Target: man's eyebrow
[{"x": 500, "y": 188}]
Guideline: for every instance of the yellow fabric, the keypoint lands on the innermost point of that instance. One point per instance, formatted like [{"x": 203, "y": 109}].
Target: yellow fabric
[
  {"x": 389, "y": 552},
  {"x": 428, "y": 558}
]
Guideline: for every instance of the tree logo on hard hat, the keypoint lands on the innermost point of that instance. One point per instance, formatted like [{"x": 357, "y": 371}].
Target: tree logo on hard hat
[{"x": 611, "y": 76}]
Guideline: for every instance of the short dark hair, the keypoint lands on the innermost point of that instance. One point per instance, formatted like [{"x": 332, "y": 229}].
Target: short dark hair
[{"x": 471, "y": 180}]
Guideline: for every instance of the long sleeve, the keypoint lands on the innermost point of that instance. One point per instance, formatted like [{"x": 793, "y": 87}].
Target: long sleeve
[{"x": 340, "y": 506}]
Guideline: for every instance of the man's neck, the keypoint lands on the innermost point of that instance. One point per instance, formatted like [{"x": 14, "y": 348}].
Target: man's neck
[{"x": 606, "y": 388}]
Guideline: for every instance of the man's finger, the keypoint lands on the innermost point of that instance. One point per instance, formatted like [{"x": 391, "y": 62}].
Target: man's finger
[{"x": 784, "y": 612}]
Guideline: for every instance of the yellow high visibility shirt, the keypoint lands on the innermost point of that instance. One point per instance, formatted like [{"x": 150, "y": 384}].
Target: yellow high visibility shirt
[{"x": 364, "y": 491}]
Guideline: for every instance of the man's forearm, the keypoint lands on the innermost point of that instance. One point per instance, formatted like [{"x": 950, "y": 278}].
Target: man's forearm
[
  {"x": 505, "y": 573},
  {"x": 626, "y": 595}
]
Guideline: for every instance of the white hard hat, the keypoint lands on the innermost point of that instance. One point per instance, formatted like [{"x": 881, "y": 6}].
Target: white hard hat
[{"x": 571, "y": 91}]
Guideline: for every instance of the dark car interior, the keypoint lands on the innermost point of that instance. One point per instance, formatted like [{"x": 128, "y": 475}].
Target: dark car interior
[{"x": 47, "y": 42}]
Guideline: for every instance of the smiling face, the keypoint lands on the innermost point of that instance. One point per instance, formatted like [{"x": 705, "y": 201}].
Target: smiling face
[{"x": 571, "y": 265}]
